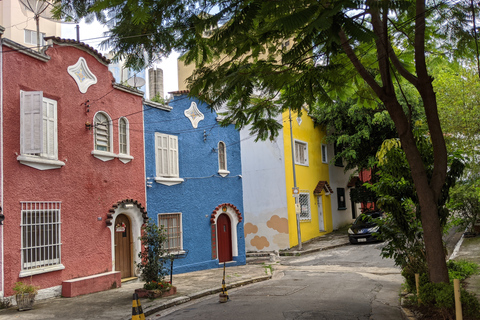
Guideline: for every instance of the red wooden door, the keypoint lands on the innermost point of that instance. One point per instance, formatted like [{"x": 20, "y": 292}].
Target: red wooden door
[
  {"x": 224, "y": 233},
  {"x": 123, "y": 251}
]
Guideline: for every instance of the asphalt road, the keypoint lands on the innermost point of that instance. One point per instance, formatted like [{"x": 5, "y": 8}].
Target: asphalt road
[{"x": 350, "y": 282}]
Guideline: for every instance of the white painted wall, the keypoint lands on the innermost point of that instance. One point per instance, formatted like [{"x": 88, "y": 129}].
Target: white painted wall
[
  {"x": 339, "y": 179},
  {"x": 264, "y": 193}
]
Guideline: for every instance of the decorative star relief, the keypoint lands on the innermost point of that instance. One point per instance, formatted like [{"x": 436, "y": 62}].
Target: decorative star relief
[
  {"x": 194, "y": 114},
  {"x": 82, "y": 75}
]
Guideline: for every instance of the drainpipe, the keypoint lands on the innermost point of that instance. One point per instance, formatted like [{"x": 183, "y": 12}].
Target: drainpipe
[{"x": 295, "y": 181}]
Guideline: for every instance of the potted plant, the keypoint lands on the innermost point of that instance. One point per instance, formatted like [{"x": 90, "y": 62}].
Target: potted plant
[
  {"x": 25, "y": 295},
  {"x": 153, "y": 258}
]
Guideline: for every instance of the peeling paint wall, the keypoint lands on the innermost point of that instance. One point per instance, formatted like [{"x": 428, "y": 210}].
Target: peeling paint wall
[{"x": 264, "y": 195}]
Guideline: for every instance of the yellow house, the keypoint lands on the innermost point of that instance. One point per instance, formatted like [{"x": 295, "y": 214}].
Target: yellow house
[{"x": 312, "y": 178}]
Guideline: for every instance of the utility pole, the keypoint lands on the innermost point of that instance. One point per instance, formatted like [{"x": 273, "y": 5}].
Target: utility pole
[{"x": 297, "y": 214}]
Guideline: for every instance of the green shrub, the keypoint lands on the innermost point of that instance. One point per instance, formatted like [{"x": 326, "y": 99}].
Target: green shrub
[{"x": 461, "y": 269}]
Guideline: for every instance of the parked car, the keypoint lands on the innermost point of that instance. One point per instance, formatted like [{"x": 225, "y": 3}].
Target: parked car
[{"x": 364, "y": 228}]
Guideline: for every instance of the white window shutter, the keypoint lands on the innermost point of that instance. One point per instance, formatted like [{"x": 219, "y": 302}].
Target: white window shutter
[
  {"x": 50, "y": 146},
  {"x": 173, "y": 146},
  {"x": 31, "y": 127}
]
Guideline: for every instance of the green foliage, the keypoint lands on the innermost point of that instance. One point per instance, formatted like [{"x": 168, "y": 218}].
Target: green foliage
[
  {"x": 159, "y": 99},
  {"x": 461, "y": 269},
  {"x": 402, "y": 229},
  {"x": 465, "y": 203},
  {"x": 154, "y": 255},
  {"x": 21, "y": 288}
]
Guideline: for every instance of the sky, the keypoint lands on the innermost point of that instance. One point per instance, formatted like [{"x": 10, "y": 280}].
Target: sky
[{"x": 92, "y": 34}]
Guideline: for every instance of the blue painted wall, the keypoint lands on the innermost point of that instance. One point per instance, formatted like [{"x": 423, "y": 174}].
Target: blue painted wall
[{"x": 203, "y": 189}]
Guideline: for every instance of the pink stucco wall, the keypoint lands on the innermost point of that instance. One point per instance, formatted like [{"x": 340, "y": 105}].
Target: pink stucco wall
[{"x": 86, "y": 186}]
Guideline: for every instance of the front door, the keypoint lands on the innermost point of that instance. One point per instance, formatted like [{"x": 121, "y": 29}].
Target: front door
[
  {"x": 224, "y": 234},
  {"x": 123, "y": 246},
  {"x": 321, "y": 223}
]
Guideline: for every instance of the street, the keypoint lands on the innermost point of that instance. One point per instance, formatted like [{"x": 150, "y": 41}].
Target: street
[{"x": 350, "y": 282}]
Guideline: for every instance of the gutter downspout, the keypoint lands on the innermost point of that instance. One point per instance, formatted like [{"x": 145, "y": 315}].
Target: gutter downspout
[{"x": 297, "y": 214}]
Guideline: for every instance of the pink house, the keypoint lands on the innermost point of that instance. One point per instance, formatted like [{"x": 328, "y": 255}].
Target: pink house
[{"x": 72, "y": 171}]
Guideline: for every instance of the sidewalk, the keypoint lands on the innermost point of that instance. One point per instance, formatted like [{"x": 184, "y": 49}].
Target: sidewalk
[{"x": 117, "y": 303}]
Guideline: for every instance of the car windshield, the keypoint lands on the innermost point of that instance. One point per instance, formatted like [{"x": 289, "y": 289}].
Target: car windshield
[{"x": 365, "y": 218}]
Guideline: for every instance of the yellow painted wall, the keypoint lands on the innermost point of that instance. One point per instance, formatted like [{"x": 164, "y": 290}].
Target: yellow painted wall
[{"x": 307, "y": 177}]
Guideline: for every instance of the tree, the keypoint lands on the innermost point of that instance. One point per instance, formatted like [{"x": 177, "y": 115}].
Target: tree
[{"x": 338, "y": 49}]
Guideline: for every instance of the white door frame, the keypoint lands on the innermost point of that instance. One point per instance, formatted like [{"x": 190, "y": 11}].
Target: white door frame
[{"x": 321, "y": 221}]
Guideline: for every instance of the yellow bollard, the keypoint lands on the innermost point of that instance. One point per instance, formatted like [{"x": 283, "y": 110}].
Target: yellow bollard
[
  {"x": 458, "y": 303},
  {"x": 137, "y": 311},
  {"x": 223, "y": 297},
  {"x": 417, "y": 284}
]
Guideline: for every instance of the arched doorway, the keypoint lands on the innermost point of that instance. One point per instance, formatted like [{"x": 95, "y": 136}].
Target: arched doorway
[
  {"x": 224, "y": 236},
  {"x": 123, "y": 246}
]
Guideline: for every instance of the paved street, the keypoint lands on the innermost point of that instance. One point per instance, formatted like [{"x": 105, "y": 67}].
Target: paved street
[{"x": 350, "y": 282}]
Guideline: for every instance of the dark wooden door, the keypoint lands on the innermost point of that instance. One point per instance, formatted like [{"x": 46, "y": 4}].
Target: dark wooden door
[
  {"x": 224, "y": 233},
  {"x": 123, "y": 249}
]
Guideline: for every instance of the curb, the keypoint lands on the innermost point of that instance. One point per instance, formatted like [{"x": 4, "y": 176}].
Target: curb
[
  {"x": 183, "y": 299},
  {"x": 299, "y": 253}
]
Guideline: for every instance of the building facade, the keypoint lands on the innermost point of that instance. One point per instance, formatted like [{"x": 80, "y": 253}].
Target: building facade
[
  {"x": 72, "y": 170},
  {"x": 194, "y": 183}
]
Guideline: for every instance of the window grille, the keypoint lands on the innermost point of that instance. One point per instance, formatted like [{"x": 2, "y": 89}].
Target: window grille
[
  {"x": 172, "y": 222},
  {"x": 41, "y": 244},
  {"x": 304, "y": 201}
]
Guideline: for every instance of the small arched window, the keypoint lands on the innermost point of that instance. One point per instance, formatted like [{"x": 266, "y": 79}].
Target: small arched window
[
  {"x": 102, "y": 125},
  {"x": 222, "y": 159},
  {"x": 123, "y": 138}
]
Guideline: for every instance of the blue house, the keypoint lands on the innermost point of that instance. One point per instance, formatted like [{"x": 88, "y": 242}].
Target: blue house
[{"x": 193, "y": 168}]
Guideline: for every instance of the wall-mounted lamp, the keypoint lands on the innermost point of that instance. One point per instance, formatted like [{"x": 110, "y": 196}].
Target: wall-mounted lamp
[
  {"x": 128, "y": 205},
  {"x": 2, "y": 217},
  {"x": 88, "y": 125}
]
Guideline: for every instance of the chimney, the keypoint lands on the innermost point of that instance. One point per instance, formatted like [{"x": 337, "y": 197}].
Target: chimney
[{"x": 155, "y": 83}]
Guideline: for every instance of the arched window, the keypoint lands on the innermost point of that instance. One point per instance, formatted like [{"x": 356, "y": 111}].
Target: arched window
[
  {"x": 123, "y": 136},
  {"x": 222, "y": 159},
  {"x": 103, "y": 130}
]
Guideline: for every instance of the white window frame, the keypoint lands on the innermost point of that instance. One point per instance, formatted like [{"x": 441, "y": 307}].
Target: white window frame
[
  {"x": 38, "y": 131},
  {"x": 177, "y": 216},
  {"x": 166, "y": 159},
  {"x": 104, "y": 155},
  {"x": 305, "y": 208},
  {"x": 301, "y": 152},
  {"x": 33, "y": 37},
  {"x": 44, "y": 216},
  {"x": 324, "y": 153},
  {"x": 222, "y": 158},
  {"x": 124, "y": 155}
]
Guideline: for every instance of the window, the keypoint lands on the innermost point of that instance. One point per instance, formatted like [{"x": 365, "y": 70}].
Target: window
[
  {"x": 222, "y": 159},
  {"x": 102, "y": 132},
  {"x": 166, "y": 156},
  {"x": 324, "y": 153},
  {"x": 41, "y": 244},
  {"x": 304, "y": 201},
  {"x": 301, "y": 153},
  {"x": 124, "y": 141},
  {"x": 38, "y": 131},
  {"x": 342, "y": 204},
  {"x": 338, "y": 160},
  {"x": 31, "y": 37},
  {"x": 172, "y": 222}
]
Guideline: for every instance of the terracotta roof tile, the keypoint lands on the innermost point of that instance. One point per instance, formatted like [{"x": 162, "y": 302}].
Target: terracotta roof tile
[
  {"x": 322, "y": 185},
  {"x": 61, "y": 41}
]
